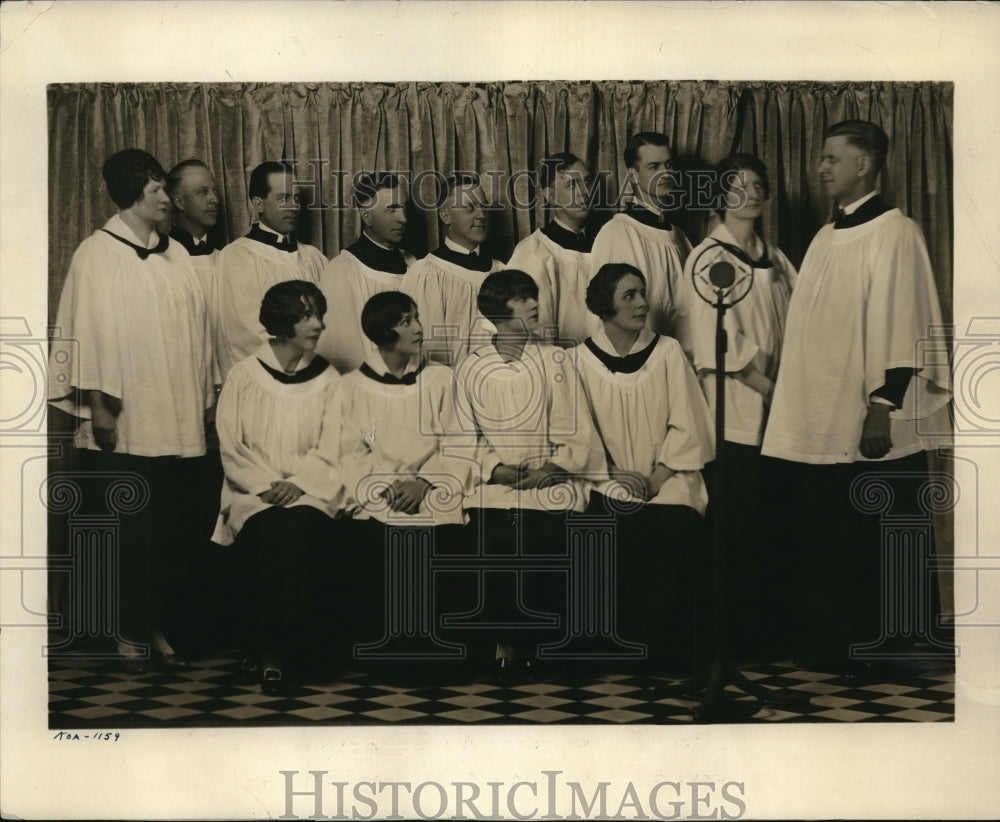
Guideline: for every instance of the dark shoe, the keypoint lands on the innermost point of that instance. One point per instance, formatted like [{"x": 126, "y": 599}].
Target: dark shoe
[
  {"x": 168, "y": 663},
  {"x": 249, "y": 670},
  {"x": 506, "y": 670},
  {"x": 272, "y": 680}
]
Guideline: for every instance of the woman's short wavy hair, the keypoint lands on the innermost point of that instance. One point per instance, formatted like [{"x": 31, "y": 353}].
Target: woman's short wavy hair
[
  {"x": 382, "y": 314},
  {"x": 285, "y": 304},
  {"x": 501, "y": 287},
  {"x": 126, "y": 173},
  {"x": 601, "y": 290}
]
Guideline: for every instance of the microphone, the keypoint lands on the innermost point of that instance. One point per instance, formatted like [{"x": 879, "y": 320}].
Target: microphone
[{"x": 722, "y": 274}]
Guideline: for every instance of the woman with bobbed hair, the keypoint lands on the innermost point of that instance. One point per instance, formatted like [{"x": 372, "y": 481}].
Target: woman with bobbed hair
[
  {"x": 657, "y": 434},
  {"x": 139, "y": 379},
  {"x": 281, "y": 490}
]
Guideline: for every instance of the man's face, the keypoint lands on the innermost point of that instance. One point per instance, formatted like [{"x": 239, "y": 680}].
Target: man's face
[
  {"x": 842, "y": 170},
  {"x": 653, "y": 167},
  {"x": 385, "y": 218},
  {"x": 280, "y": 208},
  {"x": 151, "y": 207},
  {"x": 570, "y": 191},
  {"x": 198, "y": 197},
  {"x": 464, "y": 217}
]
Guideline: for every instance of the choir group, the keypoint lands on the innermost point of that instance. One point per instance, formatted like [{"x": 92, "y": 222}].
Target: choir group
[{"x": 490, "y": 405}]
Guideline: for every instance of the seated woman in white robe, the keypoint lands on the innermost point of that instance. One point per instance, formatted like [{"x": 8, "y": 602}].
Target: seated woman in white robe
[
  {"x": 396, "y": 417},
  {"x": 535, "y": 448},
  {"x": 755, "y": 326},
  {"x": 652, "y": 418},
  {"x": 280, "y": 494},
  {"x": 139, "y": 379}
]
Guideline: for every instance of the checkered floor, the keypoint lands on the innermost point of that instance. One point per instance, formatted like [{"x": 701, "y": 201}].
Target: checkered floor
[{"x": 87, "y": 693}]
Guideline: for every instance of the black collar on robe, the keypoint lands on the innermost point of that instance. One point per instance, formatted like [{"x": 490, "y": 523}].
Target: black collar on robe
[
  {"x": 257, "y": 233},
  {"x": 574, "y": 241},
  {"x": 143, "y": 253},
  {"x": 743, "y": 257},
  {"x": 867, "y": 211},
  {"x": 316, "y": 367},
  {"x": 374, "y": 256},
  {"x": 473, "y": 262},
  {"x": 628, "y": 364},
  {"x": 409, "y": 378},
  {"x": 647, "y": 217},
  {"x": 185, "y": 238}
]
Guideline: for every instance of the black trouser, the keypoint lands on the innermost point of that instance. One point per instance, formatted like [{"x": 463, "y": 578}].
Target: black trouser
[
  {"x": 163, "y": 544},
  {"x": 293, "y": 604},
  {"x": 836, "y": 549},
  {"x": 508, "y": 583},
  {"x": 758, "y": 579},
  {"x": 661, "y": 554}
]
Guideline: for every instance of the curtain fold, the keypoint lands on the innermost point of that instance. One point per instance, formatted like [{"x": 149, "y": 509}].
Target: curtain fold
[{"x": 502, "y": 131}]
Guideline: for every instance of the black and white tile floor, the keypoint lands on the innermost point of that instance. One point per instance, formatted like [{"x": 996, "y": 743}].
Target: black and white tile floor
[{"x": 88, "y": 693}]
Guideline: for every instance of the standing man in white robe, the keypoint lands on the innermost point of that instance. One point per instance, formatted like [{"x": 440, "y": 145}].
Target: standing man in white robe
[
  {"x": 851, "y": 395},
  {"x": 139, "y": 378},
  {"x": 445, "y": 283},
  {"x": 557, "y": 256},
  {"x": 250, "y": 265},
  {"x": 643, "y": 235},
  {"x": 375, "y": 263}
]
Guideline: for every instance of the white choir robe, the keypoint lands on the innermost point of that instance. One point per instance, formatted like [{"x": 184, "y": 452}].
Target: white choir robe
[
  {"x": 562, "y": 275},
  {"x": 205, "y": 266},
  {"x": 245, "y": 271},
  {"x": 654, "y": 415},
  {"x": 391, "y": 432},
  {"x": 137, "y": 330},
  {"x": 347, "y": 283},
  {"x": 659, "y": 254},
  {"x": 755, "y": 329},
  {"x": 446, "y": 297},
  {"x": 271, "y": 431},
  {"x": 864, "y": 298},
  {"x": 530, "y": 412}
]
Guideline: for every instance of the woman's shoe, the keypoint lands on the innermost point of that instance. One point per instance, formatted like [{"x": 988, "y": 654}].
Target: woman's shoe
[{"x": 273, "y": 681}]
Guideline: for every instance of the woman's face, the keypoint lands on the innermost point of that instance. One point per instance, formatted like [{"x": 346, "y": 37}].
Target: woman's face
[
  {"x": 629, "y": 305},
  {"x": 746, "y": 190},
  {"x": 411, "y": 333},
  {"x": 305, "y": 333}
]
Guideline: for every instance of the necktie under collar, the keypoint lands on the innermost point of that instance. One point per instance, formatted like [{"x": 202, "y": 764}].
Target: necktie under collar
[
  {"x": 409, "y": 378},
  {"x": 282, "y": 243},
  {"x": 142, "y": 252}
]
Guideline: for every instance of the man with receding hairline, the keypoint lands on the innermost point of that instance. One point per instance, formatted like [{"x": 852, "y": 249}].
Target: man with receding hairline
[
  {"x": 445, "y": 283},
  {"x": 852, "y": 397}
]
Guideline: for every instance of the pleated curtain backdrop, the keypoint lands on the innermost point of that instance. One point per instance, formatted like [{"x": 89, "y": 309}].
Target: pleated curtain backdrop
[{"x": 502, "y": 131}]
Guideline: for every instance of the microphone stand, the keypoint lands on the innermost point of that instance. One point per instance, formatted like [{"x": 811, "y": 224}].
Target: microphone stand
[{"x": 719, "y": 705}]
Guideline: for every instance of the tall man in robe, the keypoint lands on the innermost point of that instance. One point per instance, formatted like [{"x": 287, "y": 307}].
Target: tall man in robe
[
  {"x": 250, "y": 265},
  {"x": 557, "y": 256},
  {"x": 373, "y": 264},
  {"x": 445, "y": 283},
  {"x": 643, "y": 236},
  {"x": 852, "y": 398}
]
